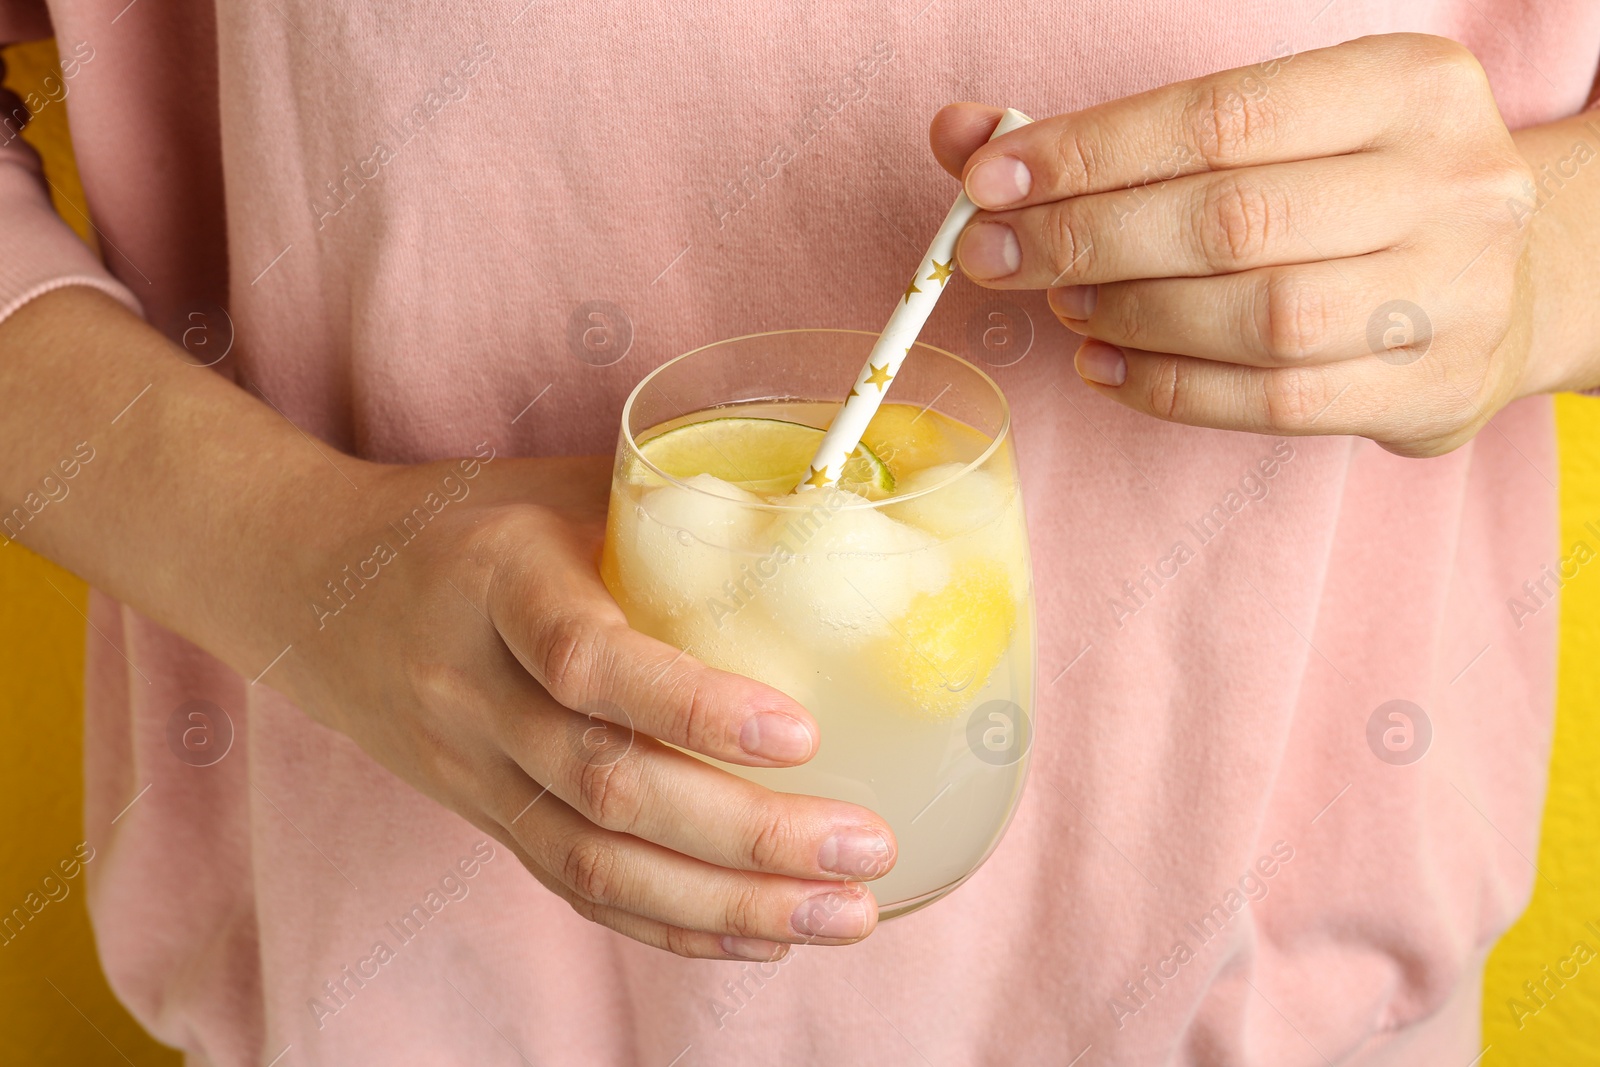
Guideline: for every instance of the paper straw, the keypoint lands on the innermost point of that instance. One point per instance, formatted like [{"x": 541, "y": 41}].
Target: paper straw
[{"x": 897, "y": 338}]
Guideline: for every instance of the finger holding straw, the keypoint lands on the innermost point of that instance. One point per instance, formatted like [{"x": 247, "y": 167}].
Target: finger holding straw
[{"x": 897, "y": 338}]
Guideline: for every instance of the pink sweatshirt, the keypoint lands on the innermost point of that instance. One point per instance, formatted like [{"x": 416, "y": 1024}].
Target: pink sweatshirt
[{"x": 406, "y": 210}]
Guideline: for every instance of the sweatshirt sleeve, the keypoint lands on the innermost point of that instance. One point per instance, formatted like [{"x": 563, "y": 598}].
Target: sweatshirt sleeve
[{"x": 38, "y": 251}]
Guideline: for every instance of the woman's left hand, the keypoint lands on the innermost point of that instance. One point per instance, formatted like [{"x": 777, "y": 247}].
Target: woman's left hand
[{"x": 1327, "y": 243}]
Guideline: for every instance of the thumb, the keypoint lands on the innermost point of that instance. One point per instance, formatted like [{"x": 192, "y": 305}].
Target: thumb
[{"x": 959, "y": 130}]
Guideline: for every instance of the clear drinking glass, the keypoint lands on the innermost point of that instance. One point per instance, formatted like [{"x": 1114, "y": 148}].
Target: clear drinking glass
[{"x": 903, "y": 623}]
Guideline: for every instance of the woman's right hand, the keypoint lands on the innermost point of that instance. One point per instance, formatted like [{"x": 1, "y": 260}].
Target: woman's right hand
[{"x": 486, "y": 664}]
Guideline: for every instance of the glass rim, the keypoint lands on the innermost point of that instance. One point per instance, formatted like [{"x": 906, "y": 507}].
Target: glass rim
[{"x": 636, "y": 454}]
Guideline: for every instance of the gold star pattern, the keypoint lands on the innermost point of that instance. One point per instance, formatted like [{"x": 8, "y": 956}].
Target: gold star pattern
[
  {"x": 853, "y": 392},
  {"x": 941, "y": 272},
  {"x": 880, "y": 376},
  {"x": 912, "y": 288},
  {"x": 819, "y": 478}
]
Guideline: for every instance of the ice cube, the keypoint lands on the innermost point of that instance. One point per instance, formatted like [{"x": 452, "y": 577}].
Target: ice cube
[
  {"x": 679, "y": 545},
  {"x": 970, "y": 501},
  {"x": 848, "y": 571},
  {"x": 976, "y": 515},
  {"x": 742, "y": 639},
  {"x": 717, "y": 506}
]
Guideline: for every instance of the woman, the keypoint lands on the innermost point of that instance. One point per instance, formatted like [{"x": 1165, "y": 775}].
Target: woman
[{"x": 408, "y": 245}]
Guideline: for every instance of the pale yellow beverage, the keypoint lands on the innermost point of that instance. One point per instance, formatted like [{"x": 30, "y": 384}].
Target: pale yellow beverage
[{"x": 897, "y": 608}]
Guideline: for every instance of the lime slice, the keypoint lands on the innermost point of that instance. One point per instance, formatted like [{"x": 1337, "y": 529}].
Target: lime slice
[{"x": 764, "y": 456}]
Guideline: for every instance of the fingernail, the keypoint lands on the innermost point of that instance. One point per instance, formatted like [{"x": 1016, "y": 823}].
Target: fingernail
[
  {"x": 855, "y": 853},
  {"x": 990, "y": 250},
  {"x": 775, "y": 736},
  {"x": 1074, "y": 301},
  {"x": 999, "y": 182},
  {"x": 752, "y": 948},
  {"x": 842, "y": 915},
  {"x": 1101, "y": 363}
]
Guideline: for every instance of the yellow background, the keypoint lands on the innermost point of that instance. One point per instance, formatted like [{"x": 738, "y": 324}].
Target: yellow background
[{"x": 55, "y": 1006}]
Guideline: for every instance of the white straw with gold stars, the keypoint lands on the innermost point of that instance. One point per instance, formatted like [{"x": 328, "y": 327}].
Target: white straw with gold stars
[{"x": 899, "y": 334}]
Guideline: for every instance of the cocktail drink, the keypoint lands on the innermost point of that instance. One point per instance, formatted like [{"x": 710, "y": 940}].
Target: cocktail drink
[{"x": 896, "y": 606}]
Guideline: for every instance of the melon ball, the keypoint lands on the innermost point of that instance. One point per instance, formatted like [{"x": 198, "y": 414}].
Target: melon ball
[
  {"x": 679, "y": 545},
  {"x": 848, "y": 571},
  {"x": 967, "y": 502}
]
